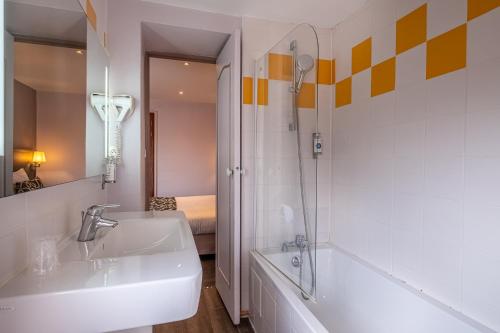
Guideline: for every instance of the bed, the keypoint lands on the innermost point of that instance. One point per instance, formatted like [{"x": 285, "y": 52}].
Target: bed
[{"x": 200, "y": 212}]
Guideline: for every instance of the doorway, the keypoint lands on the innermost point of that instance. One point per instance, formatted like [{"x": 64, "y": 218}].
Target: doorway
[{"x": 182, "y": 148}]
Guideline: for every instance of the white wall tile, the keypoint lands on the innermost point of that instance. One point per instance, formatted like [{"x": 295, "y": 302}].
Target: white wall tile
[
  {"x": 384, "y": 44},
  {"x": 50, "y": 212},
  {"x": 482, "y": 134},
  {"x": 13, "y": 212},
  {"x": 482, "y": 42},
  {"x": 409, "y": 140},
  {"x": 482, "y": 86},
  {"x": 482, "y": 180},
  {"x": 404, "y": 7},
  {"x": 446, "y": 94},
  {"x": 445, "y": 135},
  {"x": 383, "y": 109},
  {"x": 361, "y": 85},
  {"x": 383, "y": 13},
  {"x": 13, "y": 254},
  {"x": 411, "y": 66},
  {"x": 411, "y": 104},
  {"x": 444, "y": 15},
  {"x": 444, "y": 177}
]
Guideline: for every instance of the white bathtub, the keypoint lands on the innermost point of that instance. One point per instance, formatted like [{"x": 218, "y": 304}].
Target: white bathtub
[{"x": 351, "y": 297}]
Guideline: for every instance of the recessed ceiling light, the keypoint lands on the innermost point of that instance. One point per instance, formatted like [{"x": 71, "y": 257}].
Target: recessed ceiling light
[
  {"x": 79, "y": 52},
  {"x": 186, "y": 63},
  {"x": 181, "y": 92}
]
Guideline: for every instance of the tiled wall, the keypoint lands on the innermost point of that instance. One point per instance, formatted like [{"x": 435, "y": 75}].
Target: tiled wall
[
  {"x": 416, "y": 147},
  {"x": 51, "y": 212}
]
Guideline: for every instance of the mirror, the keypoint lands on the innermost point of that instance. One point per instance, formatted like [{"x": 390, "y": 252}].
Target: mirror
[{"x": 53, "y": 63}]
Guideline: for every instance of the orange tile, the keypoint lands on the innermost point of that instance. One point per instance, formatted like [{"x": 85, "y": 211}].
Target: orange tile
[
  {"x": 343, "y": 92},
  {"x": 91, "y": 14},
  {"x": 262, "y": 92},
  {"x": 362, "y": 56},
  {"x": 384, "y": 77},
  {"x": 334, "y": 72},
  {"x": 324, "y": 71},
  {"x": 477, "y": 8},
  {"x": 411, "y": 30},
  {"x": 447, "y": 52},
  {"x": 247, "y": 90},
  {"x": 280, "y": 67},
  {"x": 307, "y": 96}
]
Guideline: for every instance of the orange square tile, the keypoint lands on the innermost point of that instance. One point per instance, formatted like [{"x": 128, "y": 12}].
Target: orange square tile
[
  {"x": 262, "y": 92},
  {"x": 343, "y": 92},
  {"x": 411, "y": 30},
  {"x": 477, "y": 8},
  {"x": 362, "y": 56},
  {"x": 307, "y": 96},
  {"x": 280, "y": 67},
  {"x": 324, "y": 71},
  {"x": 447, "y": 52},
  {"x": 384, "y": 77},
  {"x": 247, "y": 90}
]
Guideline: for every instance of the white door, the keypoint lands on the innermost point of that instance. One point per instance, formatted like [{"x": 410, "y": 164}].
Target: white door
[{"x": 227, "y": 273}]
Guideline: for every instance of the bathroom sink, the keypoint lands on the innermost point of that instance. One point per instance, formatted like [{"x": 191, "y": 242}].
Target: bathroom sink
[
  {"x": 130, "y": 238},
  {"x": 146, "y": 271}
]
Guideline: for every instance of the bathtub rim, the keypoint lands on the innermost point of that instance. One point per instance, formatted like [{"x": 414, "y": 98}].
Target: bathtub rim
[
  {"x": 285, "y": 283},
  {"x": 286, "y": 287}
]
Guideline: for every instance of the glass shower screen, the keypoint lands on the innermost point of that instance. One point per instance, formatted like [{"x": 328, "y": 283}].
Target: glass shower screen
[{"x": 286, "y": 120}]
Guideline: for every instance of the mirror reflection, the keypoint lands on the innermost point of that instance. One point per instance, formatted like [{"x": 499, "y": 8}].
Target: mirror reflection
[{"x": 53, "y": 62}]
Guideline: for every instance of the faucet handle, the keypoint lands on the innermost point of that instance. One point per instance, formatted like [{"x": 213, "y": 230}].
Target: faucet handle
[
  {"x": 98, "y": 209},
  {"x": 107, "y": 206}
]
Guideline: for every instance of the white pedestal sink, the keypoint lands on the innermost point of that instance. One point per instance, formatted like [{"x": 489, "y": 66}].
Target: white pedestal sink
[{"x": 146, "y": 271}]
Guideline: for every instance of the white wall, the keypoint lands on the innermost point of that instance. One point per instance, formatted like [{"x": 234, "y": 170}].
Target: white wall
[
  {"x": 125, "y": 46},
  {"x": 186, "y": 155}
]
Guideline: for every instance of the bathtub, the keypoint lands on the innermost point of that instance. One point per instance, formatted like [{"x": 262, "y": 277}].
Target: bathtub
[{"x": 351, "y": 297}]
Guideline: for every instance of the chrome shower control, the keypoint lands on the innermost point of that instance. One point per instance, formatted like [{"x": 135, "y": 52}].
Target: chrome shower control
[
  {"x": 317, "y": 145},
  {"x": 296, "y": 262}
]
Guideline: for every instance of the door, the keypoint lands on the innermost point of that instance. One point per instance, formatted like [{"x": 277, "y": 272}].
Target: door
[{"x": 227, "y": 273}]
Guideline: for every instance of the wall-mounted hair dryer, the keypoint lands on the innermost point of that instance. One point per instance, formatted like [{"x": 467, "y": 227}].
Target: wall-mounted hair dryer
[{"x": 112, "y": 113}]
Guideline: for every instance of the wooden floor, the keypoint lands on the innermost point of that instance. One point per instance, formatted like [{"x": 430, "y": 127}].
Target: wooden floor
[{"x": 212, "y": 315}]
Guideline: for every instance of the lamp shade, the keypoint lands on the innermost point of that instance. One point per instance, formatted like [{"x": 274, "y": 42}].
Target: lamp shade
[{"x": 39, "y": 157}]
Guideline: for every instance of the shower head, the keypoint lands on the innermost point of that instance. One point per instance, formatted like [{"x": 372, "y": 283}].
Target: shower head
[{"x": 304, "y": 64}]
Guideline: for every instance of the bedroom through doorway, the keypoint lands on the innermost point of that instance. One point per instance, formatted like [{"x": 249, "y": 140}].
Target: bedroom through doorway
[{"x": 182, "y": 148}]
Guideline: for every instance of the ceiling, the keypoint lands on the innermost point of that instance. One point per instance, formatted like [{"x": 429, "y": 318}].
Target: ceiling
[
  {"x": 59, "y": 20},
  {"x": 50, "y": 68},
  {"x": 168, "y": 77},
  {"x": 176, "y": 40},
  {"x": 322, "y": 13}
]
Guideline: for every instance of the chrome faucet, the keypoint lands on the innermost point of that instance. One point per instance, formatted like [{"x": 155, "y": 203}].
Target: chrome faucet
[
  {"x": 300, "y": 242},
  {"x": 92, "y": 220}
]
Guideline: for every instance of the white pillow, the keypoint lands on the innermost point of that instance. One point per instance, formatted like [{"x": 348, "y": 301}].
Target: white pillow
[{"x": 20, "y": 176}]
